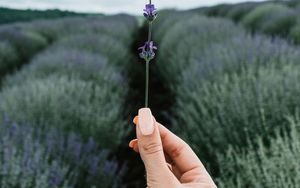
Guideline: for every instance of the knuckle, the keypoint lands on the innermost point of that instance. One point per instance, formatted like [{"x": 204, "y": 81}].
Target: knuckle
[
  {"x": 176, "y": 152},
  {"x": 152, "y": 148}
]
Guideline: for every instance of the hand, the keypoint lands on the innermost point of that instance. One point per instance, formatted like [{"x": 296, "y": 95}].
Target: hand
[{"x": 169, "y": 161}]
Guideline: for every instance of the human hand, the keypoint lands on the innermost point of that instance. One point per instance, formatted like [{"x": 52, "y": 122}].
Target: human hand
[{"x": 169, "y": 161}]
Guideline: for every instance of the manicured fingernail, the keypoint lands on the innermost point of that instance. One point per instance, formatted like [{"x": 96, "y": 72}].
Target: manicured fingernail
[
  {"x": 132, "y": 143},
  {"x": 146, "y": 123},
  {"x": 135, "y": 120}
]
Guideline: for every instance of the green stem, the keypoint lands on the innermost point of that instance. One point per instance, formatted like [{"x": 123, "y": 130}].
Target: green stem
[
  {"x": 150, "y": 32},
  {"x": 147, "y": 84}
]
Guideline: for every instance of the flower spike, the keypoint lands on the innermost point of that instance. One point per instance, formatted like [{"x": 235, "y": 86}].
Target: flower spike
[
  {"x": 150, "y": 12},
  {"x": 147, "y": 50}
]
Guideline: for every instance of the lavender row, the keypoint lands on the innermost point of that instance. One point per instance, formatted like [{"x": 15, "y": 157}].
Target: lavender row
[
  {"x": 229, "y": 86},
  {"x": 274, "y": 18},
  {"x": 33, "y": 157},
  {"x": 76, "y": 86},
  {"x": 271, "y": 165},
  {"x": 21, "y": 41}
]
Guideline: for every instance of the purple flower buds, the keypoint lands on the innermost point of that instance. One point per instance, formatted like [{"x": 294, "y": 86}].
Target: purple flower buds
[
  {"x": 147, "y": 52},
  {"x": 150, "y": 12}
]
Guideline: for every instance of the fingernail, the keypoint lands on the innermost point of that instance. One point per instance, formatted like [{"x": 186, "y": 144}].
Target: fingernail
[
  {"x": 146, "y": 123},
  {"x": 135, "y": 120},
  {"x": 131, "y": 143}
]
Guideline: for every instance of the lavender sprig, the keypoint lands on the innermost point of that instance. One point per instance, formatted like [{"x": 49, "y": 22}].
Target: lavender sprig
[{"x": 147, "y": 51}]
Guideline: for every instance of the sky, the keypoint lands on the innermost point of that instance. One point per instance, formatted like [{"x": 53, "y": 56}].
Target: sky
[{"x": 110, "y": 6}]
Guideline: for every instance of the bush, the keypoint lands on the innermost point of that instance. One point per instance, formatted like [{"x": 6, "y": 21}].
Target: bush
[
  {"x": 195, "y": 35},
  {"x": 295, "y": 34},
  {"x": 212, "y": 116},
  {"x": 270, "y": 18},
  {"x": 8, "y": 58},
  {"x": 273, "y": 165},
  {"x": 218, "y": 10},
  {"x": 109, "y": 25},
  {"x": 226, "y": 83},
  {"x": 280, "y": 24},
  {"x": 105, "y": 45},
  {"x": 26, "y": 44},
  {"x": 8, "y": 15},
  {"x": 234, "y": 56},
  {"x": 293, "y": 3},
  {"x": 166, "y": 20},
  {"x": 237, "y": 12},
  {"x": 70, "y": 104},
  {"x": 72, "y": 63},
  {"x": 34, "y": 158}
]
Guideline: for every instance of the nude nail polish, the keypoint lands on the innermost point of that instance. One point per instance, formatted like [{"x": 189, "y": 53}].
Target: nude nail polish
[{"x": 146, "y": 123}]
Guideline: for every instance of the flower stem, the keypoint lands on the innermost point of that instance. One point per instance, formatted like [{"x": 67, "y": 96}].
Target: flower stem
[
  {"x": 150, "y": 32},
  {"x": 147, "y": 84},
  {"x": 147, "y": 64}
]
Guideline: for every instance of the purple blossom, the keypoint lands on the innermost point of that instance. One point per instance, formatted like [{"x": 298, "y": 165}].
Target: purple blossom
[
  {"x": 56, "y": 176},
  {"x": 53, "y": 158},
  {"x": 147, "y": 51},
  {"x": 150, "y": 12}
]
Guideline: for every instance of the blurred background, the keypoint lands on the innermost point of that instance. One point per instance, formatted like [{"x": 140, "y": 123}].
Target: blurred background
[{"x": 226, "y": 79}]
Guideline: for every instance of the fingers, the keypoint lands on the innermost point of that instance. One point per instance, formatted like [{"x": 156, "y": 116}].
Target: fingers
[
  {"x": 187, "y": 162},
  {"x": 151, "y": 151},
  {"x": 177, "y": 149},
  {"x": 134, "y": 145},
  {"x": 181, "y": 153}
]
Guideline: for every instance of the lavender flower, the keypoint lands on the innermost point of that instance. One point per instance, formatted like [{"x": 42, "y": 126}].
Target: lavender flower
[
  {"x": 147, "y": 50},
  {"x": 150, "y": 12},
  {"x": 27, "y": 161}
]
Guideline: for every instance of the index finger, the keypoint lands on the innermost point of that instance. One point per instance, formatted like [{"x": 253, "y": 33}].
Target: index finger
[
  {"x": 179, "y": 151},
  {"x": 184, "y": 157}
]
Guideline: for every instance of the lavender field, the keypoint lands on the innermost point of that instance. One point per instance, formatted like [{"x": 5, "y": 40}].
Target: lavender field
[{"x": 226, "y": 79}]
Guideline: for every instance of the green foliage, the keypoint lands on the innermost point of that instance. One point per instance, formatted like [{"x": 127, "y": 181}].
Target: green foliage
[
  {"x": 26, "y": 43},
  {"x": 280, "y": 24},
  {"x": 293, "y": 3},
  {"x": 234, "y": 56},
  {"x": 8, "y": 57},
  {"x": 237, "y": 12},
  {"x": 108, "y": 25},
  {"x": 188, "y": 37},
  {"x": 295, "y": 34},
  {"x": 274, "y": 19},
  {"x": 272, "y": 165},
  {"x": 237, "y": 107},
  {"x": 70, "y": 104},
  {"x": 218, "y": 10},
  {"x": 33, "y": 157},
  {"x": 12, "y": 15},
  {"x": 226, "y": 83},
  {"x": 17, "y": 47},
  {"x": 166, "y": 20},
  {"x": 105, "y": 45},
  {"x": 68, "y": 62},
  {"x": 75, "y": 85}
]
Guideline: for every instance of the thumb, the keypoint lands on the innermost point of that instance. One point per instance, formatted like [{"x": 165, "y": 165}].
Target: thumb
[{"x": 151, "y": 151}]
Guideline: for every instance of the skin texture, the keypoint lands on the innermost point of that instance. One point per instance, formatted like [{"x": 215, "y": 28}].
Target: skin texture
[{"x": 169, "y": 161}]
